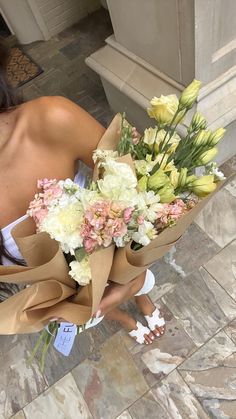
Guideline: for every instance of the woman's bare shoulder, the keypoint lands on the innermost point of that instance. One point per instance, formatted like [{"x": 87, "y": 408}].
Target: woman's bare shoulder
[
  {"x": 51, "y": 111},
  {"x": 61, "y": 122}
]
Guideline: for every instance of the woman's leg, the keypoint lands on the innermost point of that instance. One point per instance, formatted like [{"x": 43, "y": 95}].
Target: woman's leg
[{"x": 127, "y": 322}]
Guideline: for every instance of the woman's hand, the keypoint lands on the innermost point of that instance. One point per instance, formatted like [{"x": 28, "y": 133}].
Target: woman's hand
[{"x": 116, "y": 294}]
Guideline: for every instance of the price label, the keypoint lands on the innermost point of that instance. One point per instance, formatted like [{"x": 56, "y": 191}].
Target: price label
[{"x": 65, "y": 338}]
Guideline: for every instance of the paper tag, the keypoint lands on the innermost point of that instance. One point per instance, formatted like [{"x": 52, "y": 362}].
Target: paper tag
[{"x": 65, "y": 338}]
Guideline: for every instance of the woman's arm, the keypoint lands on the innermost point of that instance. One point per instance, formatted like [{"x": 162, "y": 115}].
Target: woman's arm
[{"x": 117, "y": 294}]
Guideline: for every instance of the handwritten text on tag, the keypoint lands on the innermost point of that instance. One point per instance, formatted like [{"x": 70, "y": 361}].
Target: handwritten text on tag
[{"x": 65, "y": 338}]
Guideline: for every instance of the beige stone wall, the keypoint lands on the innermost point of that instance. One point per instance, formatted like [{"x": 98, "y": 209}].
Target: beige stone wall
[{"x": 59, "y": 14}]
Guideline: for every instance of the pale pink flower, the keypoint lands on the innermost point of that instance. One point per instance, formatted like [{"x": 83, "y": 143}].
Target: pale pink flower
[
  {"x": 128, "y": 214},
  {"x": 140, "y": 219},
  {"x": 51, "y": 194},
  {"x": 90, "y": 245},
  {"x": 135, "y": 136},
  {"x": 46, "y": 183}
]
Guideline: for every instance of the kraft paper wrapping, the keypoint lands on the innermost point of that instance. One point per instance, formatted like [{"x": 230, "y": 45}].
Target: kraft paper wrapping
[
  {"x": 51, "y": 291},
  {"x": 128, "y": 263}
]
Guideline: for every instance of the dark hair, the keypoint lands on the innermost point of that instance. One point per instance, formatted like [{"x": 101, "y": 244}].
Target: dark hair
[{"x": 8, "y": 101}]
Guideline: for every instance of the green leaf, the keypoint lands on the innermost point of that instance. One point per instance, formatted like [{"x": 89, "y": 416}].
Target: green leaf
[{"x": 80, "y": 254}]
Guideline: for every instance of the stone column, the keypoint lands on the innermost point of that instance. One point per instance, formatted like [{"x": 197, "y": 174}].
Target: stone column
[{"x": 159, "y": 46}]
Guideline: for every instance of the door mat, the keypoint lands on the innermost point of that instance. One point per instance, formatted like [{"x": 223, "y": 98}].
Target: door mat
[{"x": 21, "y": 68}]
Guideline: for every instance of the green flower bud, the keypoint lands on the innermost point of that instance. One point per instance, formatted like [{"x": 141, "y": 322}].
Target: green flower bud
[
  {"x": 142, "y": 184},
  {"x": 189, "y": 95},
  {"x": 157, "y": 180},
  {"x": 203, "y": 185},
  {"x": 216, "y": 136},
  {"x": 167, "y": 194},
  {"x": 182, "y": 177},
  {"x": 190, "y": 179},
  {"x": 202, "y": 138},
  {"x": 198, "y": 122},
  {"x": 207, "y": 156}
]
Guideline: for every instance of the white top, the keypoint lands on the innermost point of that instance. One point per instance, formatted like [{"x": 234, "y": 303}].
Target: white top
[{"x": 9, "y": 242}]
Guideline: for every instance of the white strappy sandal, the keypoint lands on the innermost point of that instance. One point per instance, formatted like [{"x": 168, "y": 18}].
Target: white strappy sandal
[
  {"x": 155, "y": 320},
  {"x": 139, "y": 333}
]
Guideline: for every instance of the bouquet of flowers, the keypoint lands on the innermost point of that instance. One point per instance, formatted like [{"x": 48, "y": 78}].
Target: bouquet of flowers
[
  {"x": 174, "y": 174},
  {"x": 85, "y": 222}
]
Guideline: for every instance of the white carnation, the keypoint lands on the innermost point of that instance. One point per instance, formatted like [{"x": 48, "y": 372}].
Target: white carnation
[
  {"x": 114, "y": 188},
  {"x": 63, "y": 225},
  {"x": 80, "y": 271}
]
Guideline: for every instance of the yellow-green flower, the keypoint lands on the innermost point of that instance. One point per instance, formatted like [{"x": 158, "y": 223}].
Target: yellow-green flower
[
  {"x": 166, "y": 194},
  {"x": 171, "y": 141},
  {"x": 174, "y": 177},
  {"x": 203, "y": 186},
  {"x": 216, "y": 136},
  {"x": 190, "y": 179},
  {"x": 189, "y": 95},
  {"x": 207, "y": 156},
  {"x": 162, "y": 160},
  {"x": 202, "y": 138},
  {"x": 182, "y": 177},
  {"x": 198, "y": 122},
  {"x": 142, "y": 184},
  {"x": 157, "y": 180},
  {"x": 150, "y": 135},
  {"x": 163, "y": 109}
]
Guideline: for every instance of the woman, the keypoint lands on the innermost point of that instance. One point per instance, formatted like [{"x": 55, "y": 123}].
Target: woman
[{"x": 45, "y": 138}]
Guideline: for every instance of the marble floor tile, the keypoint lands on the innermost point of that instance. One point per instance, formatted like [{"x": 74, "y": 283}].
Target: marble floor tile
[
  {"x": 112, "y": 383},
  {"x": 7, "y": 342},
  {"x": 61, "y": 401},
  {"x": 166, "y": 279},
  {"x": 176, "y": 265},
  {"x": 229, "y": 167},
  {"x": 124, "y": 415},
  {"x": 86, "y": 345},
  {"x": 230, "y": 330},
  {"x": 19, "y": 415},
  {"x": 223, "y": 268},
  {"x": 210, "y": 373},
  {"x": 196, "y": 243},
  {"x": 218, "y": 219},
  {"x": 201, "y": 306},
  {"x": 169, "y": 399},
  {"x": 231, "y": 186},
  {"x": 165, "y": 354},
  {"x": 19, "y": 382}
]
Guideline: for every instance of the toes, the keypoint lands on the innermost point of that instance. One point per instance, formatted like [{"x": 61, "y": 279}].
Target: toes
[
  {"x": 151, "y": 335},
  {"x": 161, "y": 330},
  {"x": 148, "y": 340},
  {"x": 156, "y": 332}
]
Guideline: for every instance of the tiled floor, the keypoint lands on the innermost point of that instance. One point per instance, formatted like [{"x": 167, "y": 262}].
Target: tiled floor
[
  {"x": 188, "y": 373},
  {"x": 65, "y": 72}
]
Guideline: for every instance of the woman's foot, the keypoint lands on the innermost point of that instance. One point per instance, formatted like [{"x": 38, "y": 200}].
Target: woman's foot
[
  {"x": 147, "y": 308},
  {"x": 130, "y": 325}
]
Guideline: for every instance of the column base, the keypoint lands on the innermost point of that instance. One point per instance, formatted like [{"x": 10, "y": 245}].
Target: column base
[{"x": 130, "y": 82}]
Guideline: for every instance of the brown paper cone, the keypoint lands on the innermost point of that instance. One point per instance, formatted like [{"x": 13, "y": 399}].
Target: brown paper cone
[
  {"x": 128, "y": 263},
  {"x": 52, "y": 292}
]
